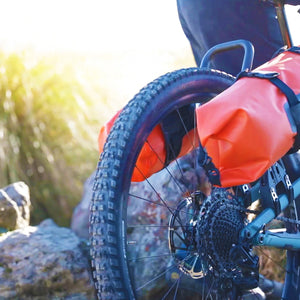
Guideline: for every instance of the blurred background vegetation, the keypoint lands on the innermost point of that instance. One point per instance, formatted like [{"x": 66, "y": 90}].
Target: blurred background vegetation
[
  {"x": 60, "y": 81},
  {"x": 47, "y": 134},
  {"x": 51, "y": 110}
]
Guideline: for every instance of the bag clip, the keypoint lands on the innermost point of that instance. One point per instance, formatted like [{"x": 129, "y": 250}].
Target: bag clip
[{"x": 207, "y": 164}]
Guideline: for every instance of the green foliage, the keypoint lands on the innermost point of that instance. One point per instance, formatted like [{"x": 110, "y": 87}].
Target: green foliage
[{"x": 47, "y": 136}]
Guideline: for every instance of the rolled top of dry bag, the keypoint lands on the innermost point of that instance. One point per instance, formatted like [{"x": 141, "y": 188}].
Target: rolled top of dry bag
[{"x": 252, "y": 124}]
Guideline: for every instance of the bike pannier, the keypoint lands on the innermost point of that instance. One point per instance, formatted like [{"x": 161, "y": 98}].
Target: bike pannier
[{"x": 253, "y": 123}]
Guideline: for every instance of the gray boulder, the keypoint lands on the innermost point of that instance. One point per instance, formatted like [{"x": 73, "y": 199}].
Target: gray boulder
[
  {"x": 14, "y": 206},
  {"x": 80, "y": 217},
  {"x": 44, "y": 262}
]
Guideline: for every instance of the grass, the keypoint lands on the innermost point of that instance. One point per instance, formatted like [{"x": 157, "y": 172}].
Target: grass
[
  {"x": 47, "y": 135},
  {"x": 51, "y": 109}
]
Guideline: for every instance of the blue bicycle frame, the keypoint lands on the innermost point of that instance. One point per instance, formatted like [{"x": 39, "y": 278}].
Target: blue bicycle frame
[{"x": 276, "y": 238}]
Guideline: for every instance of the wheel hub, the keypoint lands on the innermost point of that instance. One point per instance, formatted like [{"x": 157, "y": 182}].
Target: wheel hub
[{"x": 182, "y": 234}]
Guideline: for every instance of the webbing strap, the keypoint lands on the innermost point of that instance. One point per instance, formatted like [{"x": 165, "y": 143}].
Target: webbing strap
[
  {"x": 294, "y": 50},
  {"x": 287, "y": 91},
  {"x": 294, "y": 107},
  {"x": 290, "y": 95}
]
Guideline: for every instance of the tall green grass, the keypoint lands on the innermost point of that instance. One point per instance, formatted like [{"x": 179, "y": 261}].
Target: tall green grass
[{"x": 47, "y": 134}]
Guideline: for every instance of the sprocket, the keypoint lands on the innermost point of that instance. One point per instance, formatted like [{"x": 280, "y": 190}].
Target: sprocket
[{"x": 221, "y": 218}]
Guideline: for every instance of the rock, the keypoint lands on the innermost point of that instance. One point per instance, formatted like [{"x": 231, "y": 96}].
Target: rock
[
  {"x": 44, "y": 262},
  {"x": 14, "y": 206},
  {"x": 80, "y": 217}
]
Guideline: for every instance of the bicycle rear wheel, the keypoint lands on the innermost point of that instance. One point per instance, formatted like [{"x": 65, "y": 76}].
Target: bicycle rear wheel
[{"x": 140, "y": 230}]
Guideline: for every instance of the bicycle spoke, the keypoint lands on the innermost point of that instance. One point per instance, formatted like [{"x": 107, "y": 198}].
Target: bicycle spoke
[
  {"x": 177, "y": 285},
  {"x": 155, "y": 278},
  {"x": 160, "y": 198},
  {"x": 176, "y": 282},
  {"x": 185, "y": 129},
  {"x": 167, "y": 168},
  {"x": 150, "y": 257},
  {"x": 203, "y": 288},
  {"x": 210, "y": 289},
  {"x": 149, "y": 226},
  {"x": 183, "y": 240},
  {"x": 185, "y": 181},
  {"x": 170, "y": 208}
]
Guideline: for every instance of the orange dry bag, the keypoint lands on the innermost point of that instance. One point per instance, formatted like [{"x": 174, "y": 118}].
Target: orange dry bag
[
  {"x": 167, "y": 141},
  {"x": 253, "y": 123}
]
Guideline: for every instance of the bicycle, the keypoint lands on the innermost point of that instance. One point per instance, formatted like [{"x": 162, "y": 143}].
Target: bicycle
[{"x": 147, "y": 238}]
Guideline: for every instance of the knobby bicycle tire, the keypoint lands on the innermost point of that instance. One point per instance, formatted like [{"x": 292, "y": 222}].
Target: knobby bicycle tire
[{"x": 129, "y": 222}]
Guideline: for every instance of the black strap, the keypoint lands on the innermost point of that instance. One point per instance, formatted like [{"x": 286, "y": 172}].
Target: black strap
[
  {"x": 287, "y": 91},
  {"x": 290, "y": 95},
  {"x": 294, "y": 50}
]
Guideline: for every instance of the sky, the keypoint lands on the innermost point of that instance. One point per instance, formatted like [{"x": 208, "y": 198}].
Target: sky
[
  {"x": 294, "y": 22},
  {"x": 90, "y": 25}
]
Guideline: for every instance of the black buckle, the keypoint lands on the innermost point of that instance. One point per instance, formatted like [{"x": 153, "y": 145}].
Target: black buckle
[
  {"x": 207, "y": 164},
  {"x": 294, "y": 49}
]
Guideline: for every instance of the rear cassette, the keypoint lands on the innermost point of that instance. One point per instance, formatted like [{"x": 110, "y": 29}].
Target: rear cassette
[{"x": 221, "y": 218}]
